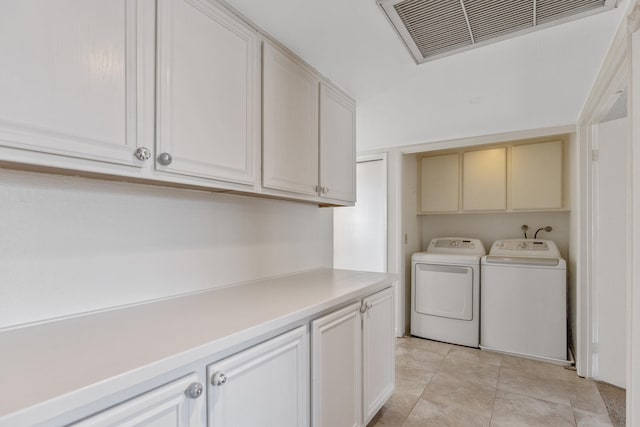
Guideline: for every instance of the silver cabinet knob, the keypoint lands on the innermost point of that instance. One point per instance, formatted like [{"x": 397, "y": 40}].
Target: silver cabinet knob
[
  {"x": 218, "y": 378},
  {"x": 194, "y": 390},
  {"x": 143, "y": 153},
  {"x": 363, "y": 308},
  {"x": 369, "y": 305},
  {"x": 165, "y": 159},
  {"x": 321, "y": 189}
]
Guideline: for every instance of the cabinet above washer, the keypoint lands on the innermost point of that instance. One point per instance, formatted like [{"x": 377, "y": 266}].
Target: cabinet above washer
[{"x": 528, "y": 175}]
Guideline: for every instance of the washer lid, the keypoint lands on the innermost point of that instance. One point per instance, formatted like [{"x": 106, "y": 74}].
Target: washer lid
[{"x": 530, "y": 248}]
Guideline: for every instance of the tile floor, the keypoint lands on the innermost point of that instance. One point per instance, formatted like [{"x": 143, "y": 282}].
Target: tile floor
[{"x": 440, "y": 384}]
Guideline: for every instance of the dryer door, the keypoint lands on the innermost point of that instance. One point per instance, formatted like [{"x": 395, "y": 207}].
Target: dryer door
[{"x": 444, "y": 290}]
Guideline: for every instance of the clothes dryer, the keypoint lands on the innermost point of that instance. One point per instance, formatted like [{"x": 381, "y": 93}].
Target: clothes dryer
[
  {"x": 445, "y": 291},
  {"x": 523, "y": 302}
]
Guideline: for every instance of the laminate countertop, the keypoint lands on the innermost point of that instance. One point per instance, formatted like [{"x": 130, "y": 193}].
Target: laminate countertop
[{"x": 51, "y": 368}]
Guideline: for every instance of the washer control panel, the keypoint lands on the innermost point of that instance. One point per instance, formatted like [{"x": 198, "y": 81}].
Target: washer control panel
[
  {"x": 524, "y": 245},
  {"x": 525, "y": 248}
]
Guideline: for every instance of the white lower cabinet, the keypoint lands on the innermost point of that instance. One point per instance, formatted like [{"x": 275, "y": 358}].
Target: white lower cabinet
[
  {"x": 266, "y": 385},
  {"x": 177, "y": 404},
  {"x": 378, "y": 354},
  {"x": 336, "y": 385},
  {"x": 353, "y": 362}
]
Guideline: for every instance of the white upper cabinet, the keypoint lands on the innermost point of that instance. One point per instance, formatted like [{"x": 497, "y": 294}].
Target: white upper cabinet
[
  {"x": 484, "y": 180},
  {"x": 208, "y": 101},
  {"x": 290, "y": 124},
  {"x": 337, "y": 145},
  {"x": 70, "y": 78},
  {"x": 536, "y": 176},
  {"x": 439, "y": 183},
  {"x": 171, "y": 91}
]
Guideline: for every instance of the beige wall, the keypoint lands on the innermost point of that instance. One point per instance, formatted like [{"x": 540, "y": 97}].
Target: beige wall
[{"x": 490, "y": 227}]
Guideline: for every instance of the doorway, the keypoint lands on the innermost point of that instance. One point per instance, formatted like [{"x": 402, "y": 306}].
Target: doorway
[{"x": 360, "y": 231}]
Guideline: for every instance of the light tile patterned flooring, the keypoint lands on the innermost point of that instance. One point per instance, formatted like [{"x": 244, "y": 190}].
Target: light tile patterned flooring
[{"x": 440, "y": 384}]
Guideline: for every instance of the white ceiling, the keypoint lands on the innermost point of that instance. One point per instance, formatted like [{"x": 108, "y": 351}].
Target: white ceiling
[
  {"x": 537, "y": 80},
  {"x": 349, "y": 41}
]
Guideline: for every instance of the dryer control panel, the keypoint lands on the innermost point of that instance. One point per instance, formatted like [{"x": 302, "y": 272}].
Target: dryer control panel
[{"x": 459, "y": 245}]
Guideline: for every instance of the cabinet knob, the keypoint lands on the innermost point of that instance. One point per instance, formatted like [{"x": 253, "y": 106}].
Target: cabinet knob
[
  {"x": 194, "y": 390},
  {"x": 218, "y": 378},
  {"x": 165, "y": 159},
  {"x": 363, "y": 308},
  {"x": 369, "y": 305},
  {"x": 143, "y": 153},
  {"x": 325, "y": 190}
]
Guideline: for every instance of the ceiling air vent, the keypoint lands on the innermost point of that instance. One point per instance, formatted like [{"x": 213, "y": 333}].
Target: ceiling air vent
[{"x": 432, "y": 29}]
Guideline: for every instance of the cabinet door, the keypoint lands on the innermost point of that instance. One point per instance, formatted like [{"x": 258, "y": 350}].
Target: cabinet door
[
  {"x": 439, "y": 183},
  {"x": 165, "y": 406},
  {"x": 336, "y": 368},
  {"x": 73, "y": 77},
  {"x": 208, "y": 83},
  {"x": 266, "y": 385},
  {"x": 337, "y": 145},
  {"x": 536, "y": 176},
  {"x": 378, "y": 352},
  {"x": 290, "y": 124},
  {"x": 484, "y": 180}
]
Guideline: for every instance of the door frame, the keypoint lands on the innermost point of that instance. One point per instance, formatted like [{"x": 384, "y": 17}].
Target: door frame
[
  {"x": 609, "y": 83},
  {"x": 621, "y": 69},
  {"x": 383, "y": 158},
  {"x": 633, "y": 222},
  {"x": 392, "y": 188}
]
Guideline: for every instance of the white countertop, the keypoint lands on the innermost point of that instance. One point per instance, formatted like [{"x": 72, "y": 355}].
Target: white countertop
[{"x": 47, "y": 369}]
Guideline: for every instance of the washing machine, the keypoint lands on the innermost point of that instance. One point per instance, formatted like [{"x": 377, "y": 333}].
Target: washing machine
[
  {"x": 445, "y": 291},
  {"x": 524, "y": 300}
]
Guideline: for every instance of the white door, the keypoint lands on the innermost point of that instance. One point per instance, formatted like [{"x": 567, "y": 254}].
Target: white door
[
  {"x": 337, "y": 145},
  {"x": 208, "y": 92},
  {"x": 177, "y": 404},
  {"x": 378, "y": 350},
  {"x": 360, "y": 231},
  {"x": 336, "y": 384},
  {"x": 71, "y": 76},
  {"x": 264, "y": 386},
  {"x": 290, "y": 124},
  {"x": 444, "y": 290},
  {"x": 609, "y": 251}
]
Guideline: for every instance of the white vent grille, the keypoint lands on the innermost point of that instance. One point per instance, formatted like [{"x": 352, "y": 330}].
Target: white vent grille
[
  {"x": 435, "y": 28},
  {"x": 548, "y": 10},
  {"x": 492, "y": 18},
  {"x": 435, "y": 25}
]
